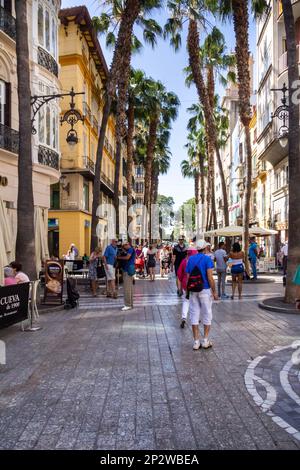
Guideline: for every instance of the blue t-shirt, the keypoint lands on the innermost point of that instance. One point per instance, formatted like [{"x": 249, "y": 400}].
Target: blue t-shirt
[
  {"x": 131, "y": 260},
  {"x": 110, "y": 254},
  {"x": 204, "y": 263},
  {"x": 252, "y": 251}
]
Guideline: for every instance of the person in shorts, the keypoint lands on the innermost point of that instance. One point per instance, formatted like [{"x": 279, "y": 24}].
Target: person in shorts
[
  {"x": 201, "y": 302},
  {"x": 179, "y": 253},
  {"x": 109, "y": 260}
]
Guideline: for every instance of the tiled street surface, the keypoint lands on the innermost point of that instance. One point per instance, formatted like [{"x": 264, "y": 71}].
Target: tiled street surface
[{"x": 99, "y": 378}]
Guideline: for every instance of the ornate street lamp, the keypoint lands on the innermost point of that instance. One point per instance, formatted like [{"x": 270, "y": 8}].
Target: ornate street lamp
[
  {"x": 72, "y": 116},
  {"x": 282, "y": 113}
]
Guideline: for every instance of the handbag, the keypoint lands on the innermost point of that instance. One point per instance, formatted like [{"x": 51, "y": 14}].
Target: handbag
[{"x": 100, "y": 270}]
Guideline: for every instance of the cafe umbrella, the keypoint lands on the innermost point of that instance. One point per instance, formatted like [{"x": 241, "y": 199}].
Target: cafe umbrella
[{"x": 5, "y": 240}]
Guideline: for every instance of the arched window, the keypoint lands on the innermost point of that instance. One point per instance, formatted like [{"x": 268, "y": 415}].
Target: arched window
[
  {"x": 47, "y": 30},
  {"x": 41, "y": 25}
]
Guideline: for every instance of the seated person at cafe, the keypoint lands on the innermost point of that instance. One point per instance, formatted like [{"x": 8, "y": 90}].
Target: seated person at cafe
[
  {"x": 9, "y": 276},
  {"x": 19, "y": 275}
]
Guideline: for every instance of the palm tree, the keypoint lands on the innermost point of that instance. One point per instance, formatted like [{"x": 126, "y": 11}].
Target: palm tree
[
  {"x": 238, "y": 10},
  {"x": 121, "y": 16},
  {"x": 194, "y": 12},
  {"x": 294, "y": 136},
  {"x": 25, "y": 245}
]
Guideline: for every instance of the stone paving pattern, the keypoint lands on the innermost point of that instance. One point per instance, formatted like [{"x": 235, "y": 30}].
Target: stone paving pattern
[{"x": 105, "y": 379}]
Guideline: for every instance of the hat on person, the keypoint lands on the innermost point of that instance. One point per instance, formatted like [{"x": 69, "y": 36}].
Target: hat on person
[{"x": 201, "y": 244}]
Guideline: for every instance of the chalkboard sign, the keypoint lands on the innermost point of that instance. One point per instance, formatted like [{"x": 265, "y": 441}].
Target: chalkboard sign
[
  {"x": 54, "y": 282},
  {"x": 13, "y": 304}
]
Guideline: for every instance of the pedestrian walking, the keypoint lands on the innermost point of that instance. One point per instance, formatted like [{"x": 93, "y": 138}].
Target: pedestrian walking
[
  {"x": 237, "y": 259},
  {"x": 284, "y": 252},
  {"x": 151, "y": 261},
  {"x": 253, "y": 256},
  {"x": 95, "y": 258},
  {"x": 128, "y": 270},
  {"x": 164, "y": 261},
  {"x": 182, "y": 284},
  {"x": 109, "y": 259},
  {"x": 200, "y": 276},
  {"x": 179, "y": 253},
  {"x": 145, "y": 251},
  {"x": 221, "y": 258}
]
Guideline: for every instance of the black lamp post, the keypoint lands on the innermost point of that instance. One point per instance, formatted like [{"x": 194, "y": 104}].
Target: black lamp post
[
  {"x": 282, "y": 113},
  {"x": 72, "y": 116}
]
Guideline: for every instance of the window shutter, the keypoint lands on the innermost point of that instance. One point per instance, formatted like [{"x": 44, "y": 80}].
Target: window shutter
[{"x": 7, "y": 106}]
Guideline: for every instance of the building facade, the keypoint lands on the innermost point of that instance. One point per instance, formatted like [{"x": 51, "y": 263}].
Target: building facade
[
  {"x": 82, "y": 66},
  {"x": 43, "y": 50}
]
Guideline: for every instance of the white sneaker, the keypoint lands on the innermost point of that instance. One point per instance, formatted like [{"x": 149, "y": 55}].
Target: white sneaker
[
  {"x": 124, "y": 309},
  {"x": 206, "y": 343},
  {"x": 197, "y": 345}
]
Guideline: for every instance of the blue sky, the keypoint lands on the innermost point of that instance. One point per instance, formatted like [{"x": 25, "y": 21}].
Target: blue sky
[{"x": 164, "y": 64}]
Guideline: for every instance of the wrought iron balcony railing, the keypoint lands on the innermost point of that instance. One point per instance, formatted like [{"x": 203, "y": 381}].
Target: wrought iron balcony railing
[
  {"x": 47, "y": 61},
  {"x": 107, "y": 181},
  {"x": 89, "y": 164},
  {"x": 48, "y": 157},
  {"x": 9, "y": 139},
  {"x": 7, "y": 23}
]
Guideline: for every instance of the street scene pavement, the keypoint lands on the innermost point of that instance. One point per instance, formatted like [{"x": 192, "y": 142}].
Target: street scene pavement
[{"x": 99, "y": 378}]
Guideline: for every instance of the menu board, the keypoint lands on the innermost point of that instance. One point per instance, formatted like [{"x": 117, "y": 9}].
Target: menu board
[
  {"x": 54, "y": 282},
  {"x": 13, "y": 304}
]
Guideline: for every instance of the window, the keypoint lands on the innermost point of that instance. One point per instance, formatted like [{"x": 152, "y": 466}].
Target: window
[
  {"x": 55, "y": 196},
  {"x": 48, "y": 126},
  {"x": 263, "y": 201},
  {"x": 41, "y": 25},
  {"x": 47, "y": 30},
  {"x": 85, "y": 196},
  {"x": 2, "y": 102},
  {"x": 42, "y": 125},
  {"x": 5, "y": 100}
]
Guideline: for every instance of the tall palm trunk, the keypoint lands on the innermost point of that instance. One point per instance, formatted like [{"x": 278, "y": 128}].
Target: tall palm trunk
[
  {"x": 202, "y": 192},
  {"x": 194, "y": 60},
  {"x": 148, "y": 164},
  {"x": 123, "y": 45},
  {"x": 241, "y": 29},
  {"x": 129, "y": 173},
  {"x": 121, "y": 131},
  {"x": 294, "y": 161},
  {"x": 25, "y": 245}
]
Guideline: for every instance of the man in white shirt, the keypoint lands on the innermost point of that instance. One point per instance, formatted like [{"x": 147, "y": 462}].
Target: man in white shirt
[
  {"x": 284, "y": 251},
  {"x": 145, "y": 253},
  {"x": 221, "y": 258}
]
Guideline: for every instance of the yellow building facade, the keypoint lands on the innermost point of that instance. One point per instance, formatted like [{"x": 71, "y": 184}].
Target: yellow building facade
[{"x": 83, "y": 67}]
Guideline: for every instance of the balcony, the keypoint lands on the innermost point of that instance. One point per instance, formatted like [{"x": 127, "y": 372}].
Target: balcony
[
  {"x": 47, "y": 61},
  {"x": 108, "y": 147},
  {"x": 7, "y": 23},
  {"x": 87, "y": 111},
  {"x": 9, "y": 139},
  {"x": 48, "y": 157},
  {"x": 95, "y": 123},
  {"x": 107, "y": 186},
  {"x": 85, "y": 167},
  {"x": 282, "y": 61}
]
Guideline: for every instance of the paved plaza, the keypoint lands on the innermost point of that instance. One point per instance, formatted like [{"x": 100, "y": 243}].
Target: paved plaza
[{"x": 98, "y": 378}]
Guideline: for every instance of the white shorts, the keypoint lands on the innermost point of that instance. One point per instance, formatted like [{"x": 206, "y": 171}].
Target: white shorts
[
  {"x": 110, "y": 272},
  {"x": 201, "y": 307}
]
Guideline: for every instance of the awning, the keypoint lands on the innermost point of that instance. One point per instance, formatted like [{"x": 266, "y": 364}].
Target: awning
[
  {"x": 41, "y": 238},
  {"x": 235, "y": 231},
  {"x": 6, "y": 244}
]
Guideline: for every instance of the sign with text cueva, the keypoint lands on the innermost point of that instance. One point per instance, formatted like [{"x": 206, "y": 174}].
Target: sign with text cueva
[
  {"x": 54, "y": 282},
  {"x": 13, "y": 304}
]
